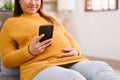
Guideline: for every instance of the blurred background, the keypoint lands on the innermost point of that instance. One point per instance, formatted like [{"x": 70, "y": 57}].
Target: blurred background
[{"x": 95, "y": 24}]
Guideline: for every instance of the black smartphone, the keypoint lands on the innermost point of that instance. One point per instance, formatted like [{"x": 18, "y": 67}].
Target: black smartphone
[{"x": 47, "y": 30}]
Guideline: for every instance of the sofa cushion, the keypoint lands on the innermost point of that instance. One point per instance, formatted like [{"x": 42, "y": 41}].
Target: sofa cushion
[
  {"x": 9, "y": 78},
  {"x": 9, "y": 72}
]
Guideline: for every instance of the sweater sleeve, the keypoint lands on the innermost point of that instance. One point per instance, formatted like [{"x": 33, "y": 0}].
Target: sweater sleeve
[
  {"x": 72, "y": 40},
  {"x": 10, "y": 54}
]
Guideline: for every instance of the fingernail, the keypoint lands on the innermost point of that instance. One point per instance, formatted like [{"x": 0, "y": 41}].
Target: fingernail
[{"x": 43, "y": 34}]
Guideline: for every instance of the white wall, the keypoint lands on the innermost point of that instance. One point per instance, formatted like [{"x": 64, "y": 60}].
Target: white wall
[
  {"x": 98, "y": 33},
  {"x": 1, "y": 3}
]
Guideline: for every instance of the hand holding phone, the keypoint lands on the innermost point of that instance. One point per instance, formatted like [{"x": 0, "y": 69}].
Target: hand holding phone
[{"x": 47, "y": 30}]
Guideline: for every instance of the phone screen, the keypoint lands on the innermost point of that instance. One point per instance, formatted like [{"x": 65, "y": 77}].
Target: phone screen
[{"x": 47, "y": 30}]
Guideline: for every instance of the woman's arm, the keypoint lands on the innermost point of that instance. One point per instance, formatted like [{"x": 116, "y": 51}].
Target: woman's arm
[{"x": 11, "y": 55}]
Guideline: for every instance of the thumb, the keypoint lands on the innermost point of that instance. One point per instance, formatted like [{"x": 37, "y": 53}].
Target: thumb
[
  {"x": 40, "y": 37},
  {"x": 67, "y": 49}
]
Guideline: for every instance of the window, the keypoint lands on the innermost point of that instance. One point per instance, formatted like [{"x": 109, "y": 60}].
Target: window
[{"x": 101, "y": 5}]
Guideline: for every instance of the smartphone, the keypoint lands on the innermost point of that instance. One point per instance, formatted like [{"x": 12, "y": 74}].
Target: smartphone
[{"x": 47, "y": 30}]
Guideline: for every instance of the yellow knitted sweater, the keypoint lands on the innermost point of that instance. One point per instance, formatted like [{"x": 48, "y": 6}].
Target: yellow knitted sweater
[{"x": 16, "y": 35}]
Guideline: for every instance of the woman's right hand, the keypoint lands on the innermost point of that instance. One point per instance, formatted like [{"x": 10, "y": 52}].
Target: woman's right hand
[{"x": 36, "y": 47}]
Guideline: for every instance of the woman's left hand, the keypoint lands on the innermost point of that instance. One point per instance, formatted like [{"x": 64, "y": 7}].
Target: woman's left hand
[{"x": 69, "y": 52}]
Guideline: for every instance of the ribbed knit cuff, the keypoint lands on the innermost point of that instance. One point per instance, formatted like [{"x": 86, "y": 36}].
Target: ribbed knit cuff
[{"x": 27, "y": 53}]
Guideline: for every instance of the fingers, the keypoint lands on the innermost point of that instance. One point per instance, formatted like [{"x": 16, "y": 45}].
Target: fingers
[
  {"x": 37, "y": 39},
  {"x": 36, "y": 47},
  {"x": 69, "y": 52},
  {"x": 40, "y": 37},
  {"x": 66, "y": 55},
  {"x": 46, "y": 42},
  {"x": 67, "y": 49}
]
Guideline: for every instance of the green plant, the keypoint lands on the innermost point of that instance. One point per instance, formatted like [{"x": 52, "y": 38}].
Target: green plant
[{"x": 7, "y": 6}]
